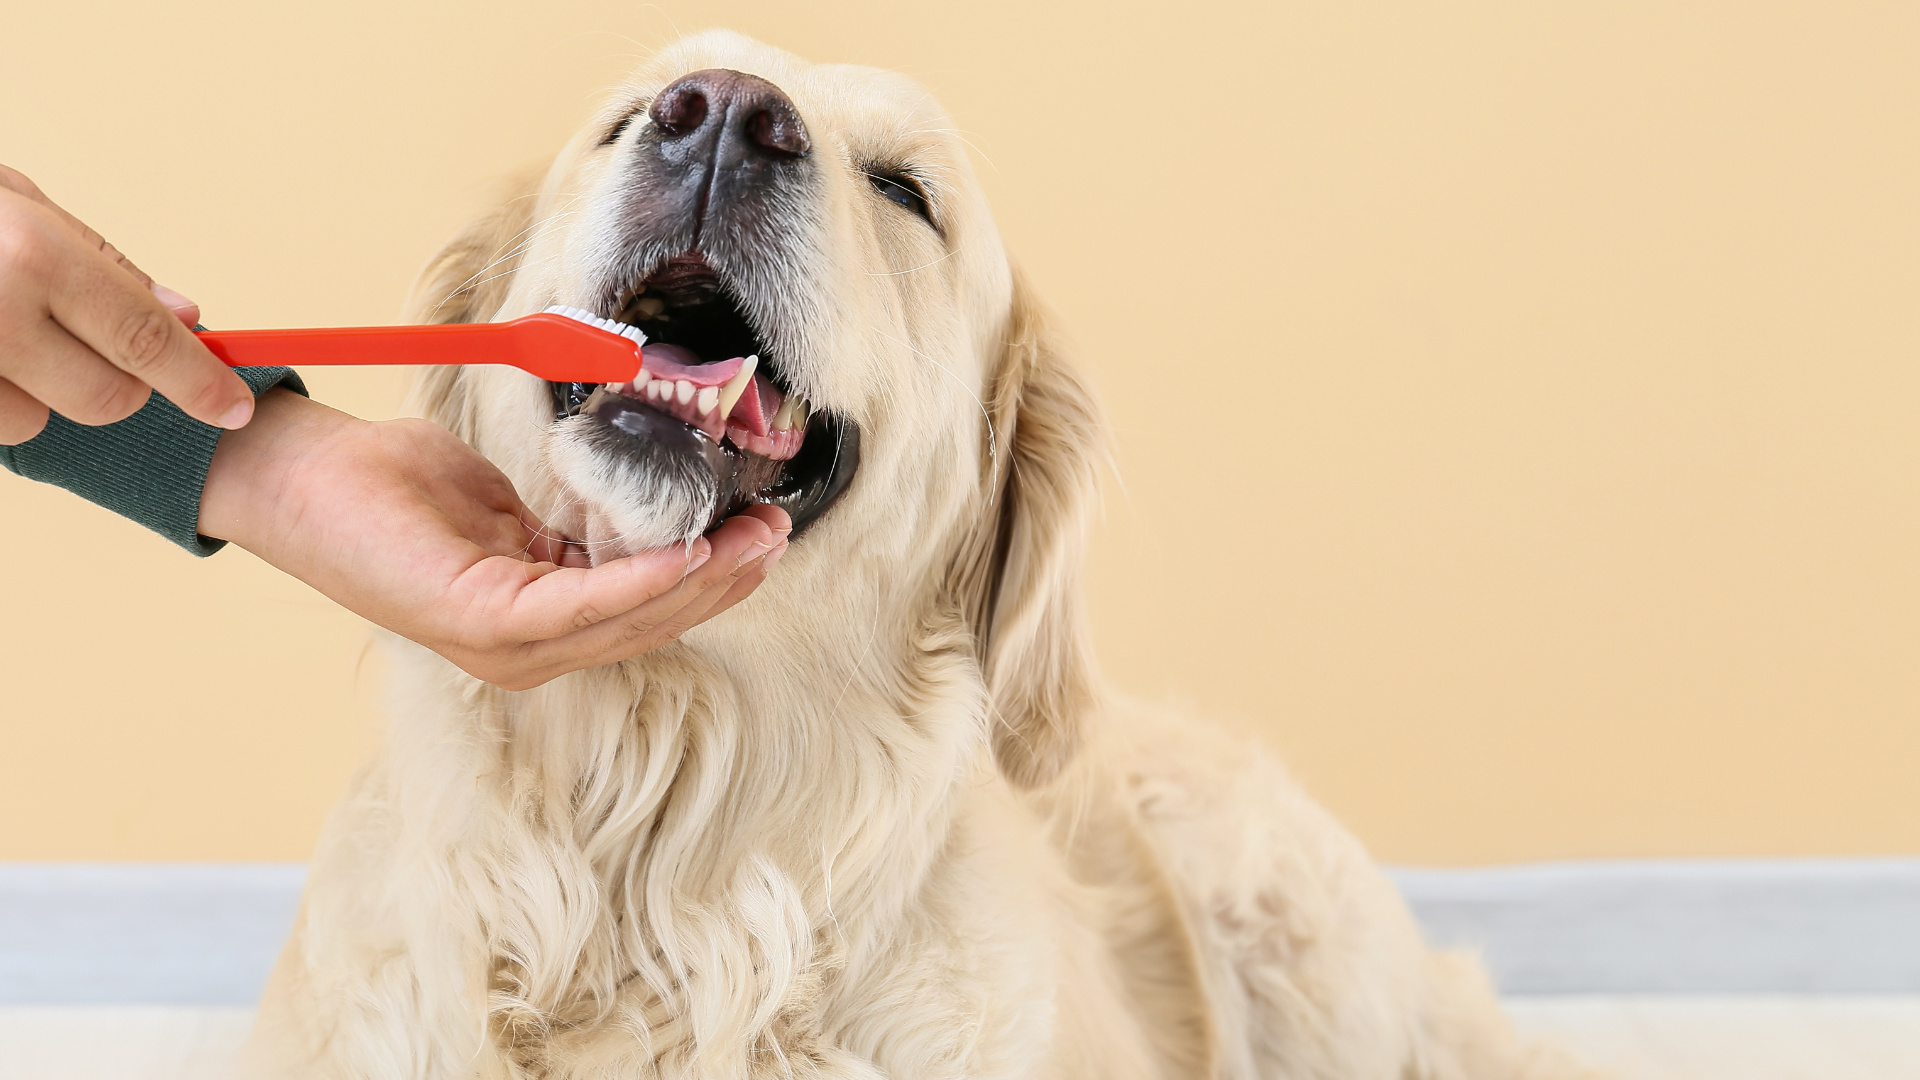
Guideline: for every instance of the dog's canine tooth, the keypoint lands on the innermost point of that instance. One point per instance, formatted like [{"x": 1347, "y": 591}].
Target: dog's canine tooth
[
  {"x": 783, "y": 419},
  {"x": 736, "y": 386},
  {"x": 651, "y": 307},
  {"x": 708, "y": 397},
  {"x": 683, "y": 390}
]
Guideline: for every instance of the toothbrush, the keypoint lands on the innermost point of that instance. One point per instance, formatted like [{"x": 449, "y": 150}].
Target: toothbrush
[{"x": 560, "y": 344}]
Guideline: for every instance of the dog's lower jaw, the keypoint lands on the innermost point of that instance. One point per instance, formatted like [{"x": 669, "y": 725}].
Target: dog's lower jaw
[{"x": 619, "y": 504}]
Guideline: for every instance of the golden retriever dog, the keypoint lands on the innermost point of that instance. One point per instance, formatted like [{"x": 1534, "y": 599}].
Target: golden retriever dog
[{"x": 881, "y": 819}]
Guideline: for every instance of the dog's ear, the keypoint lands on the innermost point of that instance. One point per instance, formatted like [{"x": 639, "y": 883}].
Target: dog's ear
[
  {"x": 1018, "y": 576},
  {"x": 466, "y": 281}
]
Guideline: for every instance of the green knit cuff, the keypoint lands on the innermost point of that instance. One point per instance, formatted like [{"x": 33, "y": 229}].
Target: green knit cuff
[{"x": 150, "y": 467}]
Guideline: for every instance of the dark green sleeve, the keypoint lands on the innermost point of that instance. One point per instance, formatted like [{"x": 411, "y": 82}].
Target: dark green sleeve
[{"x": 150, "y": 467}]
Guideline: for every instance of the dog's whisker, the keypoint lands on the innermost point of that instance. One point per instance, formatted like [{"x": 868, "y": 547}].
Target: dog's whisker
[
  {"x": 514, "y": 246},
  {"x": 916, "y": 269},
  {"x": 958, "y": 133}
]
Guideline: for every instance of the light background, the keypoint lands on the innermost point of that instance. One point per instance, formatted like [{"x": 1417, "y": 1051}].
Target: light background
[{"x": 1555, "y": 367}]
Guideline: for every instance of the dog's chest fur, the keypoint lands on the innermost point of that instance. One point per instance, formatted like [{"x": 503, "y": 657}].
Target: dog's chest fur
[{"x": 654, "y": 870}]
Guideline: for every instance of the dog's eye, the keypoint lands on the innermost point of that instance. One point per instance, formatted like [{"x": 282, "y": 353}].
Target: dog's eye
[
  {"x": 613, "y": 134},
  {"x": 904, "y": 190}
]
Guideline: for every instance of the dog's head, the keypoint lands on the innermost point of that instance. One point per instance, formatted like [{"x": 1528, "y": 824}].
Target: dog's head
[{"x": 833, "y": 327}]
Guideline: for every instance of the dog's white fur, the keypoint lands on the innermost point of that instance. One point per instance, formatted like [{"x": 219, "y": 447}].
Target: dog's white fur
[{"x": 881, "y": 820}]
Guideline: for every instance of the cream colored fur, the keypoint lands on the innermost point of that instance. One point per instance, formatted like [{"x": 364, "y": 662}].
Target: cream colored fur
[{"x": 882, "y": 819}]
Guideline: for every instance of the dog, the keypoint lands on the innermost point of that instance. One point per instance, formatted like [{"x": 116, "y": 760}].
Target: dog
[{"x": 882, "y": 819}]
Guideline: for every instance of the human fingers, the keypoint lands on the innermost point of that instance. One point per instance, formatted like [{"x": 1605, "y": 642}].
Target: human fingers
[
  {"x": 720, "y": 598},
  {"x": 565, "y": 600},
  {"x": 22, "y": 416},
  {"x": 775, "y": 518},
  {"x": 124, "y": 322},
  {"x": 41, "y": 359},
  {"x": 723, "y": 595},
  {"x": 545, "y": 544},
  {"x": 540, "y": 632},
  {"x": 740, "y": 548},
  {"x": 56, "y": 271}
]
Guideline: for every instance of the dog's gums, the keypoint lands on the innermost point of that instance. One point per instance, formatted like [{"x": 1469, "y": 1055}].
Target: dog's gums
[
  {"x": 734, "y": 415},
  {"x": 724, "y": 399},
  {"x": 826, "y": 454}
]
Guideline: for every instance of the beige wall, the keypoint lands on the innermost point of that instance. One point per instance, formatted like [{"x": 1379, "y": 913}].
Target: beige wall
[{"x": 1565, "y": 365}]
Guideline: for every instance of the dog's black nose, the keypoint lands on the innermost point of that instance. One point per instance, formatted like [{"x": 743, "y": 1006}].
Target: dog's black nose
[{"x": 734, "y": 112}]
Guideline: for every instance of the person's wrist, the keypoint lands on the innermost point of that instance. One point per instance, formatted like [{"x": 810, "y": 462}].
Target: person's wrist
[{"x": 255, "y": 476}]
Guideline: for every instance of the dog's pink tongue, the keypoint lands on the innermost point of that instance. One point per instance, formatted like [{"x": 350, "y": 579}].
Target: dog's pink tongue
[
  {"x": 757, "y": 406},
  {"x": 753, "y": 414},
  {"x": 676, "y": 363}
]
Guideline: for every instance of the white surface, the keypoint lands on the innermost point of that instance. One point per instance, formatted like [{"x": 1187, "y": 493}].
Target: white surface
[
  {"x": 120, "y": 1042},
  {"x": 1836, "y": 1037},
  {"x": 1646, "y": 1038}
]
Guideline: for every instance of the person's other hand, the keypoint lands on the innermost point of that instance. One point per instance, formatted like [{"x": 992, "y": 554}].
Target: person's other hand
[
  {"x": 84, "y": 332},
  {"x": 411, "y": 528}
]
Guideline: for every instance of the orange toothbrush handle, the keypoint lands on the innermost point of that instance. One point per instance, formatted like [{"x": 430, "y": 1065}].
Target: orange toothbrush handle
[{"x": 550, "y": 346}]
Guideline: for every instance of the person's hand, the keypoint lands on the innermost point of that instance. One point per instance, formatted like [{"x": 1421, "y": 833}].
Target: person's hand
[
  {"x": 84, "y": 332},
  {"x": 409, "y": 527}
]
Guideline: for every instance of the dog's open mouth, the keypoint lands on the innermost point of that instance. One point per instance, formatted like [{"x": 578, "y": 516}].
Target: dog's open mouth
[{"x": 710, "y": 386}]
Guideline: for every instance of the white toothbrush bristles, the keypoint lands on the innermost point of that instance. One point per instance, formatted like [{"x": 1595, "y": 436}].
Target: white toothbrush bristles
[{"x": 631, "y": 333}]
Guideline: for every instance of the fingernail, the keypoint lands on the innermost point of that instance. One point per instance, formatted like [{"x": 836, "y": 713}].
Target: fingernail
[
  {"x": 172, "y": 299},
  {"x": 774, "y": 557},
  {"x": 237, "y": 417},
  {"x": 754, "y": 551},
  {"x": 701, "y": 552}
]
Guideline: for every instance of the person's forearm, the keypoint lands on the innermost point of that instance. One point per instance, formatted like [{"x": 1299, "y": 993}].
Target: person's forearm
[
  {"x": 247, "y": 493},
  {"x": 150, "y": 467}
]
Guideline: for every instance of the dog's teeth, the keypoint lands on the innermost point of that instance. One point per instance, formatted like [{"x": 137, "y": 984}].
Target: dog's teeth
[
  {"x": 651, "y": 307},
  {"x": 653, "y": 389},
  {"x": 736, "y": 386},
  {"x": 683, "y": 390},
  {"x": 708, "y": 397},
  {"x": 783, "y": 419}
]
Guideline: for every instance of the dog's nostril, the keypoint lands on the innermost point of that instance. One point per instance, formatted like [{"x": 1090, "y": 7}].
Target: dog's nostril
[
  {"x": 754, "y": 113},
  {"x": 679, "y": 109},
  {"x": 782, "y": 132}
]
